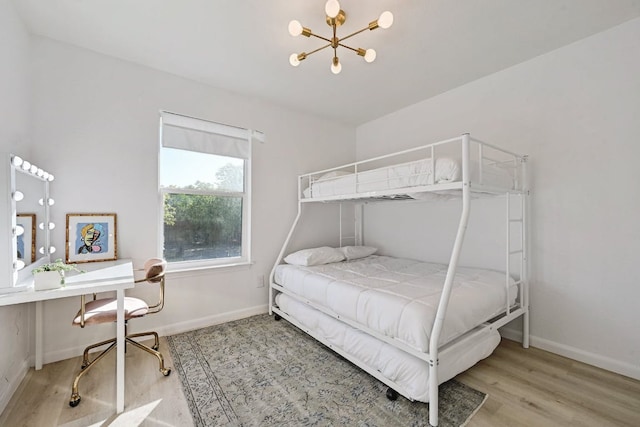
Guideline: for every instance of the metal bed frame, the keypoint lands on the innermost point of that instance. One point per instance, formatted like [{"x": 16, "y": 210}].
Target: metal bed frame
[{"x": 464, "y": 188}]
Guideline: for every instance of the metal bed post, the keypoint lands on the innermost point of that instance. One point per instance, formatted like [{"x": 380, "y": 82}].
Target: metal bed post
[
  {"x": 284, "y": 248},
  {"x": 525, "y": 254},
  {"x": 448, "y": 284}
]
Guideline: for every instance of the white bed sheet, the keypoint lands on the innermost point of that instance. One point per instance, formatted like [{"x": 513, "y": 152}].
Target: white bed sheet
[
  {"x": 409, "y": 372},
  {"x": 411, "y": 174},
  {"x": 399, "y": 297}
]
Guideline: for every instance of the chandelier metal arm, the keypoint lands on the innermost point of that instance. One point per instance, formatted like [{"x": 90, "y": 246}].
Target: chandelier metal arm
[
  {"x": 348, "y": 47},
  {"x": 320, "y": 37},
  {"x": 319, "y": 49},
  {"x": 353, "y": 34}
]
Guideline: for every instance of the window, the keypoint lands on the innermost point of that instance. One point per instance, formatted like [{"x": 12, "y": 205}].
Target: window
[{"x": 205, "y": 192}]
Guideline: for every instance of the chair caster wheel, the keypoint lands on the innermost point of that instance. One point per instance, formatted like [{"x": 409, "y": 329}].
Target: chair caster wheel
[
  {"x": 166, "y": 372},
  {"x": 276, "y": 317},
  {"x": 392, "y": 394},
  {"x": 75, "y": 400}
]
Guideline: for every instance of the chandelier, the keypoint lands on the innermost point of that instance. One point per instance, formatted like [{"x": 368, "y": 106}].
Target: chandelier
[{"x": 335, "y": 18}]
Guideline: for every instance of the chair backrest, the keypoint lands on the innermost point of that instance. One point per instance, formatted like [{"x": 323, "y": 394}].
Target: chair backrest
[{"x": 154, "y": 269}]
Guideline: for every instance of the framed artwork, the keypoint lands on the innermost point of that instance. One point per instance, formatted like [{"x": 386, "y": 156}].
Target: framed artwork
[
  {"x": 26, "y": 228},
  {"x": 91, "y": 237}
]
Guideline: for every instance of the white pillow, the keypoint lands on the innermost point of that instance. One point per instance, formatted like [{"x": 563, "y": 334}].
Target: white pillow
[
  {"x": 356, "y": 252},
  {"x": 315, "y": 256}
]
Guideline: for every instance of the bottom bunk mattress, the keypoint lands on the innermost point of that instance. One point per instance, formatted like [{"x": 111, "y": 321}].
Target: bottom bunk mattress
[
  {"x": 398, "y": 297},
  {"x": 410, "y": 374}
]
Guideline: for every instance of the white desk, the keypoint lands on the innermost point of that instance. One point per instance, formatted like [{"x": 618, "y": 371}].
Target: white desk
[{"x": 100, "y": 277}]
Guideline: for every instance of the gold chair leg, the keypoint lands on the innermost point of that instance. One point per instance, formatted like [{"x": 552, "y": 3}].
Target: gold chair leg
[
  {"x": 75, "y": 396},
  {"x": 165, "y": 371},
  {"x": 156, "y": 344},
  {"x": 85, "y": 354}
]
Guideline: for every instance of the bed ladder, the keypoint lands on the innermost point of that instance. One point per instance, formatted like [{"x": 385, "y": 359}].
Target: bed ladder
[{"x": 521, "y": 222}]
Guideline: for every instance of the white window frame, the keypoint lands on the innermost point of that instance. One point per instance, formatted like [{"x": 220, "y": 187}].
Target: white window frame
[{"x": 193, "y": 123}]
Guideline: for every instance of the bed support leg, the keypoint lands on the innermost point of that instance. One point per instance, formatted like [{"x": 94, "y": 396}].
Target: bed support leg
[{"x": 525, "y": 329}]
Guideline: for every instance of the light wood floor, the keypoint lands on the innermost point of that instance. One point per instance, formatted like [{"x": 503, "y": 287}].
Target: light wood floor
[{"x": 526, "y": 388}]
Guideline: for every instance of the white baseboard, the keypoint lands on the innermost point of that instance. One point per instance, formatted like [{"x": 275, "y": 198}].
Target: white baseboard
[
  {"x": 13, "y": 383},
  {"x": 176, "y": 328},
  {"x": 589, "y": 358},
  {"x": 203, "y": 322}
]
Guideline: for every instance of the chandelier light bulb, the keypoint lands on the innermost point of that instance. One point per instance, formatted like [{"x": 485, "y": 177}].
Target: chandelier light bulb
[
  {"x": 336, "y": 67},
  {"x": 370, "y": 55},
  {"x": 295, "y": 28},
  {"x": 385, "y": 20},
  {"x": 332, "y": 8},
  {"x": 293, "y": 60},
  {"x": 17, "y": 161}
]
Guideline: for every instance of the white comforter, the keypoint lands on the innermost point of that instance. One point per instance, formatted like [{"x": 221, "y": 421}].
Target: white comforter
[
  {"x": 397, "y": 176},
  {"x": 399, "y": 297}
]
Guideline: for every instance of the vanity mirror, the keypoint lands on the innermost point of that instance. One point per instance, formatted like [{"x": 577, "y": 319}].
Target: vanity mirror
[{"x": 26, "y": 220}]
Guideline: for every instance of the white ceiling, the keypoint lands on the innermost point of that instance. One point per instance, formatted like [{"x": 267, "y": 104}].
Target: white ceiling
[{"x": 244, "y": 46}]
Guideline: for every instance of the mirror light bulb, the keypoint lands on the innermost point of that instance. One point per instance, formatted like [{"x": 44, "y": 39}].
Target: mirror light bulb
[
  {"x": 385, "y": 20},
  {"x": 52, "y": 249},
  {"x": 50, "y": 201},
  {"x": 18, "y": 195},
  {"x": 370, "y": 55},
  {"x": 295, "y": 28},
  {"x": 20, "y": 264},
  {"x": 41, "y": 250},
  {"x": 293, "y": 60},
  {"x": 26, "y": 165},
  {"x": 332, "y": 8},
  {"x": 51, "y": 177},
  {"x": 33, "y": 169},
  {"x": 17, "y": 161},
  {"x": 19, "y": 230}
]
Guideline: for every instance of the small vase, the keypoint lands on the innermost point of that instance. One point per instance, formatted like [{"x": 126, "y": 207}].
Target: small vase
[{"x": 48, "y": 280}]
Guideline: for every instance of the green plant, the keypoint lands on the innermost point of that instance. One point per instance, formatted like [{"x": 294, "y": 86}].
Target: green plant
[{"x": 58, "y": 266}]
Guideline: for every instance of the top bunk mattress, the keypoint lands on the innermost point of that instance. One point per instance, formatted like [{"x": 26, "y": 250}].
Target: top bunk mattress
[
  {"x": 399, "y": 297},
  {"x": 404, "y": 176}
]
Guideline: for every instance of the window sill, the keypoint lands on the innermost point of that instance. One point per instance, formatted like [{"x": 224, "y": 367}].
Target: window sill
[{"x": 191, "y": 271}]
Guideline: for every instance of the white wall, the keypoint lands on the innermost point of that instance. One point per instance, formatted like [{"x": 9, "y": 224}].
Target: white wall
[
  {"x": 14, "y": 137},
  {"x": 96, "y": 127},
  {"x": 575, "y": 111}
]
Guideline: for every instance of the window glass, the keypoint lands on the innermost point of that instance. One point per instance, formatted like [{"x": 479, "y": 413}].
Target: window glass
[{"x": 205, "y": 193}]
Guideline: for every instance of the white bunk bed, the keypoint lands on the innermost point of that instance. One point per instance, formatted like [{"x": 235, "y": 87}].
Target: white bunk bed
[{"x": 412, "y": 325}]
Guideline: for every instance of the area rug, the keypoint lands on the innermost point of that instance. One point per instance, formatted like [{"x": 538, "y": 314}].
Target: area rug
[{"x": 259, "y": 372}]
